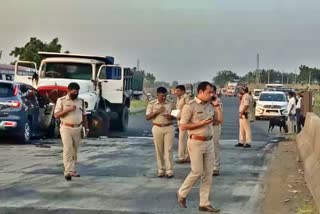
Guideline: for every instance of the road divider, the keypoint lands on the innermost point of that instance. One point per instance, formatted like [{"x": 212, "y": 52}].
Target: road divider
[{"x": 308, "y": 143}]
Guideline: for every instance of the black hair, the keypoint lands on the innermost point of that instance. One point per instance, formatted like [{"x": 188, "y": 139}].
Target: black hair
[
  {"x": 245, "y": 89},
  {"x": 203, "y": 86},
  {"x": 214, "y": 88},
  {"x": 291, "y": 93},
  {"x": 162, "y": 90},
  {"x": 74, "y": 86},
  {"x": 181, "y": 87}
]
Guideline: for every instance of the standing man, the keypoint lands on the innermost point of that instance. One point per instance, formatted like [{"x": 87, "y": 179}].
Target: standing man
[
  {"x": 197, "y": 118},
  {"x": 291, "y": 112},
  {"x": 159, "y": 111},
  {"x": 252, "y": 116},
  {"x": 71, "y": 111},
  {"x": 244, "y": 122},
  {"x": 299, "y": 115},
  {"x": 218, "y": 120},
  {"x": 182, "y": 99}
]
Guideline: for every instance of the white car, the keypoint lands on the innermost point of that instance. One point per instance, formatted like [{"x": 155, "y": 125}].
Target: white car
[
  {"x": 271, "y": 104},
  {"x": 256, "y": 94}
]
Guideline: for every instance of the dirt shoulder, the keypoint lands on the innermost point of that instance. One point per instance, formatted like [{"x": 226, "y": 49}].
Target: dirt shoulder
[{"x": 285, "y": 187}]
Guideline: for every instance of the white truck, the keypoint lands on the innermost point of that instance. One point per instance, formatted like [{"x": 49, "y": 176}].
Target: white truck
[{"x": 104, "y": 87}]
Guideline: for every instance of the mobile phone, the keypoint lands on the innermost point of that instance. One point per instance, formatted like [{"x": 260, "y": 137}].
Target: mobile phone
[{"x": 213, "y": 98}]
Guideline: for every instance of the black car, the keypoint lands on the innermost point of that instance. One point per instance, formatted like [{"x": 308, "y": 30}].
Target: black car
[{"x": 23, "y": 112}]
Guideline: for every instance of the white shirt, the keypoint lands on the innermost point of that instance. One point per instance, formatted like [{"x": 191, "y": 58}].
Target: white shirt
[
  {"x": 292, "y": 102},
  {"x": 298, "y": 106}
]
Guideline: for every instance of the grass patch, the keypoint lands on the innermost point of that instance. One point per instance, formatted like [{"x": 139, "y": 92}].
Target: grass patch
[
  {"x": 317, "y": 104},
  {"x": 307, "y": 209},
  {"x": 138, "y": 104}
]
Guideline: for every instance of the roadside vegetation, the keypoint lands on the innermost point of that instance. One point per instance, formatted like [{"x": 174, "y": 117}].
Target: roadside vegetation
[
  {"x": 317, "y": 105},
  {"x": 136, "y": 104}
]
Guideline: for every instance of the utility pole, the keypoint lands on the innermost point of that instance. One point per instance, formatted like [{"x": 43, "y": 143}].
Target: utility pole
[
  {"x": 258, "y": 69},
  {"x": 269, "y": 76},
  {"x": 138, "y": 65},
  {"x": 282, "y": 77},
  {"x": 295, "y": 76}
]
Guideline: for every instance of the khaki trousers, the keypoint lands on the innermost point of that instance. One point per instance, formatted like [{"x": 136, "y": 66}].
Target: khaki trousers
[
  {"x": 244, "y": 131},
  {"x": 71, "y": 139},
  {"x": 291, "y": 124},
  {"x": 163, "y": 138},
  {"x": 216, "y": 144},
  {"x": 201, "y": 155},
  {"x": 183, "y": 148}
]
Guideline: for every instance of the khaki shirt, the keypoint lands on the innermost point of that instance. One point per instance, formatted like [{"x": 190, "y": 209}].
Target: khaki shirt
[
  {"x": 196, "y": 111},
  {"x": 181, "y": 101},
  {"x": 73, "y": 117},
  {"x": 154, "y": 106},
  {"x": 245, "y": 101}
]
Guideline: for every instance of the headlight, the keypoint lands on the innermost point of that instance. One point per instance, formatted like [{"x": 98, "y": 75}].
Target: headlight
[{"x": 259, "y": 105}]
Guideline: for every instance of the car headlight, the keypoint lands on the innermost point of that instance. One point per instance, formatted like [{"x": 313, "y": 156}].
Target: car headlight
[{"x": 259, "y": 105}]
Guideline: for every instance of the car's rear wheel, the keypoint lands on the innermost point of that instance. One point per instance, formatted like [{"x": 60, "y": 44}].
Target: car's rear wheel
[{"x": 25, "y": 135}]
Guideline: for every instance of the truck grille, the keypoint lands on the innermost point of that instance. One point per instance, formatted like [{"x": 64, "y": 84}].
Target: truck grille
[{"x": 272, "y": 106}]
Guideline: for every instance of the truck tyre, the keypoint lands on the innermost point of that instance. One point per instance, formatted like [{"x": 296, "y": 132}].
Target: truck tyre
[{"x": 121, "y": 124}]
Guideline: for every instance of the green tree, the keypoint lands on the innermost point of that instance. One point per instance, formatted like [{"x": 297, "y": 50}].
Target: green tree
[
  {"x": 224, "y": 77},
  {"x": 150, "y": 78},
  {"x": 29, "y": 52},
  {"x": 174, "y": 83}
]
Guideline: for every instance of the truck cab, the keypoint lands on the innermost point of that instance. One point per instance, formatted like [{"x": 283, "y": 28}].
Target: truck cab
[{"x": 103, "y": 86}]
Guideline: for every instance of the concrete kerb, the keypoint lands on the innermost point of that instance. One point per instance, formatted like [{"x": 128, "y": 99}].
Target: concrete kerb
[{"x": 308, "y": 143}]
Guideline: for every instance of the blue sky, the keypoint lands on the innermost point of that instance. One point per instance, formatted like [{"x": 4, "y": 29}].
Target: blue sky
[{"x": 182, "y": 40}]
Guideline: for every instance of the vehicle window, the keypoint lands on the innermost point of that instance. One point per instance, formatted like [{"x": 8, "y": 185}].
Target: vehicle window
[
  {"x": 110, "y": 73},
  {"x": 272, "y": 97},
  {"x": 256, "y": 93},
  {"x": 67, "y": 71},
  {"x": 6, "y": 90}
]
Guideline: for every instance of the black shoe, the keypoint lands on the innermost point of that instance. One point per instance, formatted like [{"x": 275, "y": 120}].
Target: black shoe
[
  {"x": 216, "y": 173},
  {"x": 68, "y": 177},
  {"x": 170, "y": 176},
  {"x": 247, "y": 146},
  {"x": 180, "y": 161},
  {"x": 181, "y": 201},
  {"x": 161, "y": 175},
  {"x": 209, "y": 208},
  {"x": 239, "y": 145}
]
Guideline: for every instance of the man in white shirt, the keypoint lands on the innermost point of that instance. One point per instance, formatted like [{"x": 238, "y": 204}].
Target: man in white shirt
[{"x": 291, "y": 111}]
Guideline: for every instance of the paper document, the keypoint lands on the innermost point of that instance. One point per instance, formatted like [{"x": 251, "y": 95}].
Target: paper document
[{"x": 175, "y": 113}]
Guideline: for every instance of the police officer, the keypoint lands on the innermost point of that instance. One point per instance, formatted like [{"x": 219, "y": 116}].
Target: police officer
[
  {"x": 159, "y": 111},
  {"x": 197, "y": 118},
  {"x": 71, "y": 111},
  {"x": 182, "y": 99},
  {"x": 218, "y": 120},
  {"x": 244, "y": 122}
]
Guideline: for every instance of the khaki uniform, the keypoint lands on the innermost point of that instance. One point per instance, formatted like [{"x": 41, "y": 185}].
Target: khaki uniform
[
  {"x": 183, "y": 134},
  {"x": 216, "y": 144},
  {"x": 163, "y": 136},
  {"x": 245, "y": 129},
  {"x": 201, "y": 152},
  {"x": 70, "y": 136}
]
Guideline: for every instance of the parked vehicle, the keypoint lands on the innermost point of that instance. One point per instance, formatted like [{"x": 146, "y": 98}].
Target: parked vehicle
[
  {"x": 23, "y": 112},
  {"x": 256, "y": 94},
  {"x": 232, "y": 89},
  {"x": 104, "y": 86},
  {"x": 271, "y": 104}
]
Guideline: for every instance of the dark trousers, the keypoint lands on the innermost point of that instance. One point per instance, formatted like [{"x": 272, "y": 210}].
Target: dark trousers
[{"x": 300, "y": 120}]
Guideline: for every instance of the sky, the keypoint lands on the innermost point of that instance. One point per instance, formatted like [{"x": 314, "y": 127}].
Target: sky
[{"x": 183, "y": 40}]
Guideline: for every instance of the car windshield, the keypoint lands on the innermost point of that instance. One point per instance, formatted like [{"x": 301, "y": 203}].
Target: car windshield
[
  {"x": 68, "y": 70},
  {"x": 272, "y": 97},
  {"x": 6, "y": 90}
]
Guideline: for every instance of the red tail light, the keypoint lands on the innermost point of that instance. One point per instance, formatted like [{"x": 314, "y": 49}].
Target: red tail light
[
  {"x": 15, "y": 104},
  {"x": 10, "y": 124}
]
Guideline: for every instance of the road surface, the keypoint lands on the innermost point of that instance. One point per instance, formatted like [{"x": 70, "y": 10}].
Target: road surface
[{"x": 118, "y": 174}]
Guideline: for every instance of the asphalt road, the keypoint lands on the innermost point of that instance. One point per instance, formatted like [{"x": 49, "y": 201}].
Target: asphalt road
[{"x": 118, "y": 174}]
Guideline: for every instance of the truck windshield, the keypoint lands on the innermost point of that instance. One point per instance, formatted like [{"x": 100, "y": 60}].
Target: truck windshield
[
  {"x": 272, "y": 97},
  {"x": 67, "y": 70}
]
